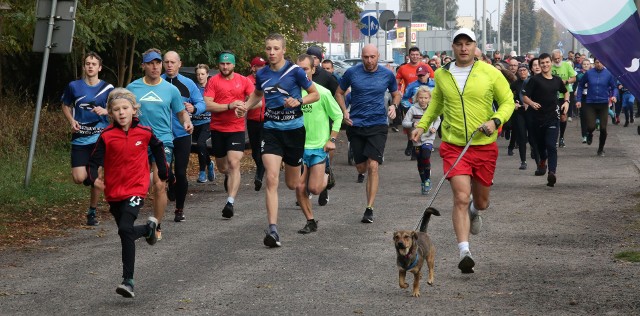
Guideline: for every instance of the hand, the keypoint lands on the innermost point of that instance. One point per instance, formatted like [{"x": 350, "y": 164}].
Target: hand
[
  {"x": 578, "y": 105},
  {"x": 98, "y": 184},
  {"x": 189, "y": 107},
  {"x": 518, "y": 105},
  {"x": 329, "y": 146},
  {"x": 291, "y": 103},
  {"x": 564, "y": 108},
  {"x": 346, "y": 119},
  {"x": 488, "y": 127},
  {"x": 416, "y": 133},
  {"x": 188, "y": 126},
  {"x": 100, "y": 110},
  {"x": 392, "y": 112},
  {"x": 75, "y": 126},
  {"x": 432, "y": 130},
  {"x": 614, "y": 100},
  {"x": 241, "y": 111},
  {"x": 535, "y": 105}
]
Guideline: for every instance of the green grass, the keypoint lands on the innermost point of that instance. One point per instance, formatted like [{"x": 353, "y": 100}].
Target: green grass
[{"x": 630, "y": 256}]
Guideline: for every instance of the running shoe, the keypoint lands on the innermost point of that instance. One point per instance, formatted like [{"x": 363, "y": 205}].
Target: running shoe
[
  {"x": 211, "y": 173},
  {"x": 171, "y": 191},
  {"x": 323, "y": 198},
  {"x": 561, "y": 143},
  {"x": 152, "y": 237},
  {"x": 368, "y": 216},
  {"x": 202, "y": 177},
  {"x": 310, "y": 227},
  {"x": 466, "y": 262},
  {"x": 272, "y": 239},
  {"x": 179, "y": 216},
  {"x": 584, "y": 139},
  {"x": 475, "y": 221},
  {"x": 426, "y": 186},
  {"x": 509, "y": 151},
  {"x": 395, "y": 129},
  {"x": 601, "y": 153},
  {"x": 589, "y": 138},
  {"x": 360, "y": 177},
  {"x": 257, "y": 183},
  {"x": 551, "y": 179},
  {"x": 331, "y": 182},
  {"x": 227, "y": 211},
  {"x": 126, "y": 288},
  {"x": 91, "y": 219}
]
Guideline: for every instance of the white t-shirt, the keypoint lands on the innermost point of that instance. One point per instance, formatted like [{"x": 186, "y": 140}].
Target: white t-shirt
[{"x": 461, "y": 74}]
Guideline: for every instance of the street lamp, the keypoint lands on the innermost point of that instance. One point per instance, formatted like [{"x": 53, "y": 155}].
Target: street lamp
[{"x": 491, "y": 20}]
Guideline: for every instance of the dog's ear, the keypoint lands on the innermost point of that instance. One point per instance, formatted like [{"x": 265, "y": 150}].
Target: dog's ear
[
  {"x": 395, "y": 235},
  {"x": 414, "y": 235}
]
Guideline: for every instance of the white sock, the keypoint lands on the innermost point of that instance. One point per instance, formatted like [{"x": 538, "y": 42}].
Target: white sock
[
  {"x": 463, "y": 247},
  {"x": 230, "y": 200},
  {"x": 472, "y": 209}
]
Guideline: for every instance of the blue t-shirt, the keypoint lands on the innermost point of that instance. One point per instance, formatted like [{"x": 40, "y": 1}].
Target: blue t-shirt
[
  {"x": 367, "y": 94},
  {"x": 203, "y": 118},
  {"x": 157, "y": 103},
  {"x": 411, "y": 90},
  {"x": 83, "y": 98},
  {"x": 190, "y": 93},
  {"x": 288, "y": 81}
]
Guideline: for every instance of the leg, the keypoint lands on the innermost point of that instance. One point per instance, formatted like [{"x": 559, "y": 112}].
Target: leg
[
  {"x": 402, "y": 275},
  {"x": 254, "y": 129},
  {"x": 550, "y": 137},
  {"x": 159, "y": 194},
  {"x": 416, "y": 284},
  {"x": 521, "y": 134},
  {"x": 601, "y": 112},
  {"x": 125, "y": 215},
  {"x": 302, "y": 195},
  {"x": 233, "y": 170},
  {"x": 181, "y": 151},
  {"x": 431, "y": 264},
  {"x": 372, "y": 181},
  {"x": 461, "y": 187},
  {"x": 272, "y": 172}
]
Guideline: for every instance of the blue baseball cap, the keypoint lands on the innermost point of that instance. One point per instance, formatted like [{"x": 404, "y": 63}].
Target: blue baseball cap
[{"x": 148, "y": 57}]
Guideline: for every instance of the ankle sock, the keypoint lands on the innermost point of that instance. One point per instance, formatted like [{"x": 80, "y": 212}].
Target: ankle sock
[
  {"x": 230, "y": 200},
  {"x": 463, "y": 247},
  {"x": 91, "y": 211},
  {"x": 273, "y": 228}
]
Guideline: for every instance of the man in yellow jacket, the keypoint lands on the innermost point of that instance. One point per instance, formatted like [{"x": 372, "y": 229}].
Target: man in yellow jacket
[{"x": 464, "y": 92}]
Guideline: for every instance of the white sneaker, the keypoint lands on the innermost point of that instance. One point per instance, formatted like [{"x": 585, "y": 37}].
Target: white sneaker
[{"x": 476, "y": 221}]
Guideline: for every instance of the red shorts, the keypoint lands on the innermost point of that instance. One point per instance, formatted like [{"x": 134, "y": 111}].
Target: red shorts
[{"x": 479, "y": 162}]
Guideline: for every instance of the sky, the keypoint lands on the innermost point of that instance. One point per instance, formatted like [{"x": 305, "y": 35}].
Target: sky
[{"x": 465, "y": 7}]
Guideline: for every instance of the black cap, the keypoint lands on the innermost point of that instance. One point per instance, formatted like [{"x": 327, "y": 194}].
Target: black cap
[{"x": 315, "y": 51}]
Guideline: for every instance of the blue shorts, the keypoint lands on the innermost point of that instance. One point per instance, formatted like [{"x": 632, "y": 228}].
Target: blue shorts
[
  {"x": 168, "y": 155},
  {"x": 312, "y": 157}
]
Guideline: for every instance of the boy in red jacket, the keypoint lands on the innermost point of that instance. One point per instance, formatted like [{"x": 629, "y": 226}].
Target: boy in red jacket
[{"x": 122, "y": 152}]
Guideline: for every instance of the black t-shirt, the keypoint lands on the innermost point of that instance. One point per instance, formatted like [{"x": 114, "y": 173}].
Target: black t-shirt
[
  {"x": 516, "y": 88},
  {"x": 545, "y": 92},
  {"x": 325, "y": 79}
]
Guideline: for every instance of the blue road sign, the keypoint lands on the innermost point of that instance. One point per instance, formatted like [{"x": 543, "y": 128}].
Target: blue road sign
[{"x": 371, "y": 25}]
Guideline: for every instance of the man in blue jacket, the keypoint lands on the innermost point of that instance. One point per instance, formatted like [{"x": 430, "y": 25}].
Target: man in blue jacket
[{"x": 602, "y": 92}]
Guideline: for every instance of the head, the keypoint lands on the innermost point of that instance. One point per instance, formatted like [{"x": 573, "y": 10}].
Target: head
[
  {"x": 316, "y": 53},
  {"x": 597, "y": 64},
  {"x": 578, "y": 58},
  {"x": 586, "y": 64},
  {"x": 305, "y": 62},
  {"x": 404, "y": 241},
  {"x": 275, "y": 48},
  {"x": 556, "y": 57},
  {"x": 152, "y": 63},
  {"x": 523, "y": 71},
  {"x": 414, "y": 55},
  {"x": 513, "y": 65},
  {"x": 91, "y": 65},
  {"x": 122, "y": 107},
  {"x": 534, "y": 66},
  {"x": 257, "y": 63},
  {"x": 422, "y": 73},
  {"x": 545, "y": 63},
  {"x": 505, "y": 72},
  {"x": 171, "y": 64},
  {"x": 370, "y": 57},
  {"x": 571, "y": 55},
  {"x": 446, "y": 60},
  {"x": 436, "y": 60},
  {"x": 464, "y": 47},
  {"x": 327, "y": 65},
  {"x": 422, "y": 96},
  {"x": 497, "y": 56},
  {"x": 529, "y": 57},
  {"x": 202, "y": 74},
  {"x": 226, "y": 63}
]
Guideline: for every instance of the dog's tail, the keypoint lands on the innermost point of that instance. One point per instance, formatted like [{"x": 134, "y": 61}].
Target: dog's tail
[{"x": 424, "y": 221}]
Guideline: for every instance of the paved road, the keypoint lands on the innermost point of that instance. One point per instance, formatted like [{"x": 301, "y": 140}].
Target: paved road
[{"x": 543, "y": 250}]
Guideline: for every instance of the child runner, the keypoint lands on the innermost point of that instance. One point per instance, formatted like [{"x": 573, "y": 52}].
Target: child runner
[
  {"x": 121, "y": 151},
  {"x": 422, "y": 149}
]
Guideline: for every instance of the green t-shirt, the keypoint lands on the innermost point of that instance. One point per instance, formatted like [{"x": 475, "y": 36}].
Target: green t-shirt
[
  {"x": 316, "y": 118},
  {"x": 565, "y": 71}
]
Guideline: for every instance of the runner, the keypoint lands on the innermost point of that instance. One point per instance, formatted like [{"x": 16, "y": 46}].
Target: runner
[
  {"x": 255, "y": 119},
  {"x": 84, "y": 102},
  {"x": 464, "y": 92},
  {"x": 564, "y": 70},
  {"x": 367, "y": 118},
  {"x": 283, "y": 133},
  {"x": 201, "y": 130},
  {"x": 158, "y": 100},
  {"x": 320, "y": 139},
  {"x": 194, "y": 105},
  {"x": 226, "y": 91}
]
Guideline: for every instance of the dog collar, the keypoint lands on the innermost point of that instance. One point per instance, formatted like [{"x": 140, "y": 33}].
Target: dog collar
[{"x": 413, "y": 264}]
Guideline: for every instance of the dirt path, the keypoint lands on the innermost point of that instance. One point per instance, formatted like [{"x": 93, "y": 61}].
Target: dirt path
[{"x": 543, "y": 251}]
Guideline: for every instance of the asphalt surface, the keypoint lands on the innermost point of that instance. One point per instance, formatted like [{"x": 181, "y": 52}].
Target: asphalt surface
[{"x": 542, "y": 250}]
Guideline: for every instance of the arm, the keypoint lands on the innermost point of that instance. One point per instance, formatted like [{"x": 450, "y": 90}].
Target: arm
[
  {"x": 614, "y": 89},
  {"x": 407, "y": 122},
  {"x": 333, "y": 110},
  {"x": 185, "y": 120},
  {"x": 397, "y": 96},
  {"x": 197, "y": 101},
  {"x": 339, "y": 96},
  {"x": 157, "y": 150},
  {"x": 66, "y": 110},
  {"x": 504, "y": 99}
]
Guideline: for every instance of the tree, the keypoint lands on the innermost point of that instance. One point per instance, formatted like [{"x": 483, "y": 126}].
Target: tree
[
  {"x": 528, "y": 24},
  {"x": 546, "y": 35},
  {"x": 431, "y": 11}
]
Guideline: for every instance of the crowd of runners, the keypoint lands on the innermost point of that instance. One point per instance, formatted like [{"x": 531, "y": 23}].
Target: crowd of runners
[{"x": 292, "y": 111}]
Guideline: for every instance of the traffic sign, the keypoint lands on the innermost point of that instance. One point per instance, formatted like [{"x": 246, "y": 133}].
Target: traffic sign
[{"x": 371, "y": 25}]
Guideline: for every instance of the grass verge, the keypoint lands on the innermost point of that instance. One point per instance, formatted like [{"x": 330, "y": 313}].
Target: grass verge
[{"x": 630, "y": 256}]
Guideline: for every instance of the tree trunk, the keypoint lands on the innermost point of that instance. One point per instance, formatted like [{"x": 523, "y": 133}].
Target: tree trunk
[{"x": 131, "y": 57}]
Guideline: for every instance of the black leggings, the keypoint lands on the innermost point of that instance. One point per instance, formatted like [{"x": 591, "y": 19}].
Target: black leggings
[
  {"x": 254, "y": 129},
  {"x": 201, "y": 133},
  {"x": 532, "y": 128},
  {"x": 593, "y": 111},
  {"x": 423, "y": 155},
  {"x": 125, "y": 213},
  {"x": 181, "y": 151},
  {"x": 519, "y": 126}
]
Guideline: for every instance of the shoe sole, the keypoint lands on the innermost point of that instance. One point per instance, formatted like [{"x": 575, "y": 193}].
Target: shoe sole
[
  {"x": 155, "y": 234},
  {"x": 367, "y": 220},
  {"x": 271, "y": 242},
  {"x": 124, "y": 292},
  {"x": 205, "y": 181},
  {"x": 551, "y": 180},
  {"x": 466, "y": 265},
  {"x": 323, "y": 198},
  {"x": 478, "y": 226},
  {"x": 178, "y": 220},
  {"x": 226, "y": 213}
]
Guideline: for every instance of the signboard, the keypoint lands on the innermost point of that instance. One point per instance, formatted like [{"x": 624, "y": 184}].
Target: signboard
[{"x": 371, "y": 25}]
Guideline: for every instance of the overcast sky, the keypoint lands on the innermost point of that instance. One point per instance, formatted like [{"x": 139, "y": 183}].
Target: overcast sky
[{"x": 465, "y": 7}]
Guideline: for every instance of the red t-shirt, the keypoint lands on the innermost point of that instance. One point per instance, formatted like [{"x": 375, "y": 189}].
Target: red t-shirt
[
  {"x": 407, "y": 73},
  {"x": 256, "y": 114},
  {"x": 225, "y": 91}
]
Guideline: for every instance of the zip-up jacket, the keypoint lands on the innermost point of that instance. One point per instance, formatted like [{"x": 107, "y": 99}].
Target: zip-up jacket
[
  {"x": 413, "y": 116},
  {"x": 601, "y": 85},
  {"x": 190, "y": 93},
  {"x": 465, "y": 111},
  {"x": 124, "y": 158}
]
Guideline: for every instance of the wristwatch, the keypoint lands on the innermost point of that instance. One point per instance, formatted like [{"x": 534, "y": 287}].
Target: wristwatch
[
  {"x": 300, "y": 100},
  {"x": 333, "y": 139},
  {"x": 497, "y": 121}
]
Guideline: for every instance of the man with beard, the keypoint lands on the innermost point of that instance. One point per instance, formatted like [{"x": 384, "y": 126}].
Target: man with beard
[{"x": 224, "y": 92}]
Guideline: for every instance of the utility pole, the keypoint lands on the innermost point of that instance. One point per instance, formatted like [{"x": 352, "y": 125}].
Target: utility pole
[
  {"x": 484, "y": 26},
  {"x": 519, "y": 39},
  {"x": 499, "y": 48},
  {"x": 513, "y": 29},
  {"x": 444, "y": 15},
  {"x": 407, "y": 43}
]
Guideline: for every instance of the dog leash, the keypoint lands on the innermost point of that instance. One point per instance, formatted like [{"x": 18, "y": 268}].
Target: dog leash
[{"x": 429, "y": 210}]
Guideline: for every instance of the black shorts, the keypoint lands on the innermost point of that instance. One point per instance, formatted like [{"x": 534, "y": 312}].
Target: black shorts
[
  {"x": 287, "y": 144},
  {"x": 367, "y": 142},
  {"x": 80, "y": 155},
  {"x": 222, "y": 142}
]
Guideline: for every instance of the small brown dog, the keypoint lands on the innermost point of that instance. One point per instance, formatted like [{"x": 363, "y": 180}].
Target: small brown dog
[{"x": 414, "y": 248}]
